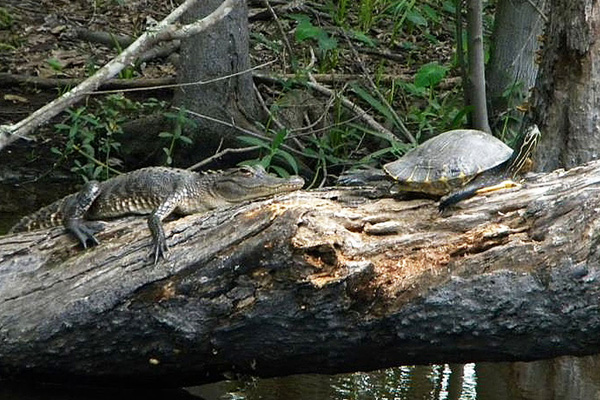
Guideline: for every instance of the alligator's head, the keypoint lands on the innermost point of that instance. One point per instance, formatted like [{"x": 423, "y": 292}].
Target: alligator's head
[{"x": 251, "y": 182}]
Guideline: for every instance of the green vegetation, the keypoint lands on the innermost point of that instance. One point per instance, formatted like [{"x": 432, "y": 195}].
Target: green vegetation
[
  {"x": 180, "y": 121},
  {"x": 399, "y": 55},
  {"x": 54, "y": 64},
  {"x": 9, "y": 35},
  {"x": 6, "y": 19},
  {"x": 92, "y": 134}
]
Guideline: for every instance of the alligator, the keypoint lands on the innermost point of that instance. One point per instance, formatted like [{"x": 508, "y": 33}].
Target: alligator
[{"x": 159, "y": 192}]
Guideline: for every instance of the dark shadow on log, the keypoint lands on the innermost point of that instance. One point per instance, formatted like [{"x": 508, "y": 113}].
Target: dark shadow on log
[{"x": 320, "y": 282}]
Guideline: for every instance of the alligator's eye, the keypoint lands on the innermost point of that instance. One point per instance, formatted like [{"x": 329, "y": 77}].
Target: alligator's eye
[{"x": 247, "y": 171}]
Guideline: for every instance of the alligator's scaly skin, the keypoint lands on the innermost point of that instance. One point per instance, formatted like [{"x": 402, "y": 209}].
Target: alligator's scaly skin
[{"x": 158, "y": 191}]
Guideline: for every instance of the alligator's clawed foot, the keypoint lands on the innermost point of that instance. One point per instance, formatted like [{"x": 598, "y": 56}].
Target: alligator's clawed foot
[
  {"x": 161, "y": 250},
  {"x": 84, "y": 231}
]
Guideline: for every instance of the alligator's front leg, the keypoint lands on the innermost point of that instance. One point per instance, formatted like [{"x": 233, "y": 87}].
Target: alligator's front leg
[
  {"x": 74, "y": 211},
  {"x": 159, "y": 242}
]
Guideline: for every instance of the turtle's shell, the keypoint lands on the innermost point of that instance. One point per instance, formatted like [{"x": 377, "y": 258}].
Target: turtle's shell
[{"x": 448, "y": 161}]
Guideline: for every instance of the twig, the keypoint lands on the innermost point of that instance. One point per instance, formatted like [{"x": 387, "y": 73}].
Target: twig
[
  {"x": 197, "y": 83},
  {"x": 263, "y": 105},
  {"x": 381, "y": 97},
  {"x": 220, "y": 154},
  {"x": 539, "y": 11},
  {"x": 106, "y": 38},
  {"x": 8, "y": 79},
  {"x": 246, "y": 131},
  {"x": 363, "y": 115},
  {"x": 96, "y": 161},
  {"x": 165, "y": 30},
  {"x": 282, "y": 32}
]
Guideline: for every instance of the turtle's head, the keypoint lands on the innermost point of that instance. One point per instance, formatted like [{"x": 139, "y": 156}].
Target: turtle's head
[{"x": 521, "y": 161}]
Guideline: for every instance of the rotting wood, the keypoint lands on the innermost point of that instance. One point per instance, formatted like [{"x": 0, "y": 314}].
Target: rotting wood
[{"x": 320, "y": 281}]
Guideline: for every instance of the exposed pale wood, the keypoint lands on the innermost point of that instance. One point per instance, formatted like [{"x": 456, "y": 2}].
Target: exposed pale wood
[{"x": 324, "y": 281}]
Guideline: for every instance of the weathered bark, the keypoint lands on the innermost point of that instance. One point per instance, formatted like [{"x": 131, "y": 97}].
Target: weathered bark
[
  {"x": 222, "y": 52},
  {"x": 318, "y": 282},
  {"x": 567, "y": 106},
  {"x": 518, "y": 26}
]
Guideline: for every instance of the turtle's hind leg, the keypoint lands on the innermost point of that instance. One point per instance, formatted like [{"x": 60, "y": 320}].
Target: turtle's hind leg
[{"x": 471, "y": 191}]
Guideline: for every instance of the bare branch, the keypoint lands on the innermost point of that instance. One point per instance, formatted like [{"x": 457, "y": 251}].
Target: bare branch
[{"x": 164, "y": 30}]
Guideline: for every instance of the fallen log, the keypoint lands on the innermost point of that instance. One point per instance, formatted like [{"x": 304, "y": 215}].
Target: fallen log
[{"x": 319, "y": 281}]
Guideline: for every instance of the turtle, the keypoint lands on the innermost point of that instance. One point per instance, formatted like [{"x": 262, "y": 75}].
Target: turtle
[{"x": 459, "y": 164}]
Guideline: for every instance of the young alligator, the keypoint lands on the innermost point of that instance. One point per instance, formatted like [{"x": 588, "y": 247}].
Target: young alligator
[{"x": 157, "y": 191}]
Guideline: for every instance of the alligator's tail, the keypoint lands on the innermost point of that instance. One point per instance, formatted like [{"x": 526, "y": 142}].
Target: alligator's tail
[{"x": 46, "y": 217}]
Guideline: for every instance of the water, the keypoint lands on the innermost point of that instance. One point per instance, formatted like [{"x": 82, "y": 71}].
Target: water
[
  {"x": 571, "y": 378},
  {"x": 568, "y": 378}
]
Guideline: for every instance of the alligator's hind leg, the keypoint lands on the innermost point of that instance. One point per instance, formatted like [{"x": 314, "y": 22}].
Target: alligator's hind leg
[{"x": 74, "y": 211}]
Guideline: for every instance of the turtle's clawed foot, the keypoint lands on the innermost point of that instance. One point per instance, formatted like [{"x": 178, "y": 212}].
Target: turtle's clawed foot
[{"x": 84, "y": 231}]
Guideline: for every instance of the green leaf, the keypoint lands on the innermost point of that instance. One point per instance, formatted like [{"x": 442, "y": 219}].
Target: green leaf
[
  {"x": 461, "y": 116},
  {"x": 91, "y": 118},
  {"x": 430, "y": 75},
  {"x": 56, "y": 151},
  {"x": 300, "y": 17},
  {"x": 373, "y": 102},
  {"x": 364, "y": 38},
  {"x": 413, "y": 89},
  {"x": 278, "y": 139},
  {"x": 265, "y": 162},
  {"x": 165, "y": 135},
  {"x": 254, "y": 141},
  {"x": 305, "y": 30},
  {"x": 54, "y": 64},
  {"x": 416, "y": 18},
  {"x": 448, "y": 6},
  {"x": 88, "y": 149},
  {"x": 327, "y": 43},
  {"x": 97, "y": 171},
  {"x": 171, "y": 115},
  {"x": 62, "y": 127},
  {"x": 186, "y": 139},
  {"x": 280, "y": 171},
  {"x": 308, "y": 152},
  {"x": 376, "y": 155},
  {"x": 289, "y": 159},
  {"x": 372, "y": 132},
  {"x": 431, "y": 13}
]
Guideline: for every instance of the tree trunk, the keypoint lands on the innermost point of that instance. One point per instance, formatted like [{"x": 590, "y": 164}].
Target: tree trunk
[
  {"x": 518, "y": 26},
  {"x": 476, "y": 84},
  {"x": 567, "y": 106},
  {"x": 220, "y": 52},
  {"x": 321, "y": 282}
]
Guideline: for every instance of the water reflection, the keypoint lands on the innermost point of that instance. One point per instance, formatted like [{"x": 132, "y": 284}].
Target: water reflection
[
  {"x": 558, "y": 379},
  {"x": 562, "y": 378}
]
